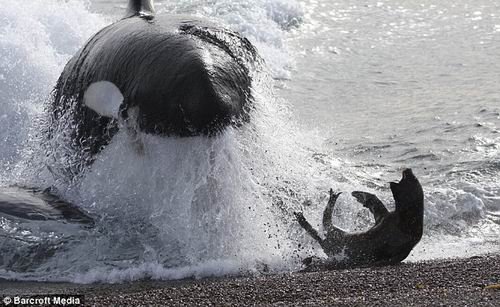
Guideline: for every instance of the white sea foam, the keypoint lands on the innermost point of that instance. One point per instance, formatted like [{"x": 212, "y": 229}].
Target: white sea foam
[
  {"x": 264, "y": 22},
  {"x": 36, "y": 40}
]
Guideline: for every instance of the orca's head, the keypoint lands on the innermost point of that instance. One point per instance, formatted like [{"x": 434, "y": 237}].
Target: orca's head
[{"x": 408, "y": 192}]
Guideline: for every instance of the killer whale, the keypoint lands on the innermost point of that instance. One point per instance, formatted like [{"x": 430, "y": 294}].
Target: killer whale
[
  {"x": 32, "y": 204},
  {"x": 389, "y": 241},
  {"x": 161, "y": 74}
]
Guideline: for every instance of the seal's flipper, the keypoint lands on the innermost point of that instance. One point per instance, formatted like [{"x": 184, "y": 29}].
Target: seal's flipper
[
  {"x": 327, "y": 214},
  {"x": 141, "y": 8},
  {"x": 308, "y": 227},
  {"x": 373, "y": 204},
  {"x": 104, "y": 98}
]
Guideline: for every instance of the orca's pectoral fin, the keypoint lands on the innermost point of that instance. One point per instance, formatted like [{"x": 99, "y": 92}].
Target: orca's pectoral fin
[
  {"x": 373, "y": 203},
  {"x": 40, "y": 205}
]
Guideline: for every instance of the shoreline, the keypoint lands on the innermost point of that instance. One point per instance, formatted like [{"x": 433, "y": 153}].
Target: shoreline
[{"x": 455, "y": 282}]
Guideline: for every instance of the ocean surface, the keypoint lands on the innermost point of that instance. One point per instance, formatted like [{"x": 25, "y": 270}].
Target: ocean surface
[{"x": 353, "y": 92}]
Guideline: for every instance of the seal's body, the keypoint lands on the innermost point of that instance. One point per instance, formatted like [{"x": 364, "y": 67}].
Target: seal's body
[{"x": 389, "y": 241}]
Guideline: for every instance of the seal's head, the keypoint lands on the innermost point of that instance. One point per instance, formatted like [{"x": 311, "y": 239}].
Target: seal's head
[
  {"x": 409, "y": 199},
  {"x": 408, "y": 192}
]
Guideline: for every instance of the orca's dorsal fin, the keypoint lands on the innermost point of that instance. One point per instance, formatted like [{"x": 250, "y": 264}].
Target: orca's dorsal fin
[{"x": 142, "y": 8}]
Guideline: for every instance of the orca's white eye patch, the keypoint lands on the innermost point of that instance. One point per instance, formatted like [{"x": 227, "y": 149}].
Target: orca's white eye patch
[{"x": 104, "y": 98}]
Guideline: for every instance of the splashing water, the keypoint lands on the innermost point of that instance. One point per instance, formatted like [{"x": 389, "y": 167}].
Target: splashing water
[{"x": 208, "y": 206}]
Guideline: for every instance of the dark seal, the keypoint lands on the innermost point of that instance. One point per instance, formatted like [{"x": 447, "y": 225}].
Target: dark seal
[
  {"x": 175, "y": 76},
  {"x": 389, "y": 241}
]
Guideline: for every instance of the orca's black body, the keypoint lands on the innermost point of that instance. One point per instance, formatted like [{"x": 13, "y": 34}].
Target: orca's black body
[
  {"x": 178, "y": 77},
  {"x": 389, "y": 241}
]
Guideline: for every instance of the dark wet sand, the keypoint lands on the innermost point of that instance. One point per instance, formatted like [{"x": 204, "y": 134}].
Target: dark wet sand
[{"x": 457, "y": 282}]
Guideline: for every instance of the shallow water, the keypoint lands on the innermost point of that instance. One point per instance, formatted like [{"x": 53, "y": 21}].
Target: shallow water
[{"x": 357, "y": 90}]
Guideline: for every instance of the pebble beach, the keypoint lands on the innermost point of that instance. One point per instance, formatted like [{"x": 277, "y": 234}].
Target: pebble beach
[{"x": 471, "y": 281}]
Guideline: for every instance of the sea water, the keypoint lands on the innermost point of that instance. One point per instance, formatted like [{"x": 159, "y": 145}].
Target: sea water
[{"x": 352, "y": 93}]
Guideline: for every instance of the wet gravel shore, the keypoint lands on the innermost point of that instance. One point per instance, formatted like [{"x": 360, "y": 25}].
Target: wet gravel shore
[{"x": 457, "y": 282}]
